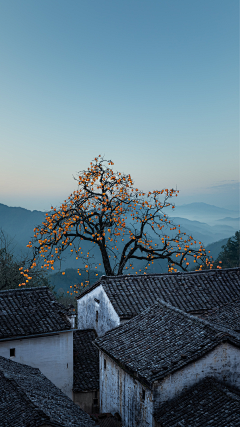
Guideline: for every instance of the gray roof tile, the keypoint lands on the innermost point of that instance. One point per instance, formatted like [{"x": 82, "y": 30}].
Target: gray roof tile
[
  {"x": 227, "y": 315},
  {"x": 29, "y": 399},
  {"x": 86, "y": 361},
  {"x": 161, "y": 340},
  {"x": 192, "y": 292},
  {"x": 30, "y": 311},
  {"x": 209, "y": 403}
]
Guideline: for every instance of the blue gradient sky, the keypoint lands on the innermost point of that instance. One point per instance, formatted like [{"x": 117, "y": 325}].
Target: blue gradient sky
[{"x": 153, "y": 85}]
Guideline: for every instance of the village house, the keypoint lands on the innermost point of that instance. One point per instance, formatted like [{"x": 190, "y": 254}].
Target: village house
[
  {"x": 29, "y": 399},
  {"x": 114, "y": 300},
  {"x": 36, "y": 331},
  {"x": 86, "y": 371},
  {"x": 154, "y": 357}
]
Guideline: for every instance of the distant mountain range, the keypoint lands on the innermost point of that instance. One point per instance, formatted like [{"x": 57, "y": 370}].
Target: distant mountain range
[
  {"x": 18, "y": 223},
  {"x": 204, "y": 212}
]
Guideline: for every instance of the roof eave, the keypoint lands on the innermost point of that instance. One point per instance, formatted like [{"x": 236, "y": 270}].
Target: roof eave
[{"x": 21, "y": 337}]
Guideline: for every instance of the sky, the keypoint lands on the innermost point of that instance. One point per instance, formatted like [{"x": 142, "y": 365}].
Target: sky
[{"x": 150, "y": 84}]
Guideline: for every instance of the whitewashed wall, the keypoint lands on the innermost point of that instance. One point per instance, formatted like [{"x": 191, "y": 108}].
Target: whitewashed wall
[
  {"x": 87, "y": 308},
  {"x": 121, "y": 393},
  {"x": 223, "y": 363},
  {"x": 53, "y": 355}
]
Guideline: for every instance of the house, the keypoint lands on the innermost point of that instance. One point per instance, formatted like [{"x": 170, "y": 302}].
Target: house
[
  {"x": 114, "y": 300},
  {"x": 209, "y": 403},
  {"x": 35, "y": 330},
  {"x": 29, "y": 399},
  {"x": 152, "y": 358},
  {"x": 85, "y": 371}
]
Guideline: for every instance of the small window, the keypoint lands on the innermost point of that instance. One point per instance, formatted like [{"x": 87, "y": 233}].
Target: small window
[
  {"x": 96, "y": 316},
  {"x": 105, "y": 364},
  {"x": 95, "y": 402},
  {"x": 143, "y": 394},
  {"x": 12, "y": 352}
]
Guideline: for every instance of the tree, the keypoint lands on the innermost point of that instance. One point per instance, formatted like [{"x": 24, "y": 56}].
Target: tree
[
  {"x": 229, "y": 256},
  {"x": 10, "y": 267},
  {"x": 122, "y": 222}
]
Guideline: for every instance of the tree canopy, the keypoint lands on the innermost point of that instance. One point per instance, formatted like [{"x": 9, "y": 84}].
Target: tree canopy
[
  {"x": 230, "y": 256},
  {"x": 124, "y": 223},
  {"x": 11, "y": 266}
]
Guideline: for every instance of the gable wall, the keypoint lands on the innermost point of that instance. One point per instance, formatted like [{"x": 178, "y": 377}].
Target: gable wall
[
  {"x": 222, "y": 363},
  {"x": 53, "y": 355},
  {"x": 119, "y": 392},
  {"x": 87, "y": 308}
]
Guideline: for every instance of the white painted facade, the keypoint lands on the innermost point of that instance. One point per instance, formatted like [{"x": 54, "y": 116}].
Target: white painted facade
[
  {"x": 119, "y": 392},
  {"x": 52, "y": 354},
  {"x": 95, "y": 311},
  {"x": 122, "y": 393}
]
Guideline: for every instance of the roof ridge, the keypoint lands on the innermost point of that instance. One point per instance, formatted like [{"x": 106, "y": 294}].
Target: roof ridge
[
  {"x": 195, "y": 318},
  {"x": 178, "y": 273}
]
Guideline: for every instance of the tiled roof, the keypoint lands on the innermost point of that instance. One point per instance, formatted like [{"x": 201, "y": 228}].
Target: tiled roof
[
  {"x": 86, "y": 361},
  {"x": 161, "y": 340},
  {"x": 208, "y": 403},
  {"x": 29, "y": 399},
  {"x": 227, "y": 315},
  {"x": 25, "y": 312},
  {"x": 191, "y": 292}
]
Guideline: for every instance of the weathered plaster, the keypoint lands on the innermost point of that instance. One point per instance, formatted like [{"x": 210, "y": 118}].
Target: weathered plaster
[
  {"x": 119, "y": 392},
  {"x": 87, "y": 308},
  {"x": 53, "y": 355},
  {"x": 222, "y": 363}
]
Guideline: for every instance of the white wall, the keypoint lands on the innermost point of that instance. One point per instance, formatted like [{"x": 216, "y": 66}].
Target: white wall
[
  {"x": 87, "y": 308},
  {"x": 223, "y": 363},
  {"x": 121, "y": 393},
  {"x": 53, "y": 355}
]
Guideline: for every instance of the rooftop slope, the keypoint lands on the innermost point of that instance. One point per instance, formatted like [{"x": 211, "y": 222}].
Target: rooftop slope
[
  {"x": 192, "y": 292},
  {"x": 208, "y": 403},
  {"x": 86, "y": 361},
  {"x": 161, "y": 340},
  {"x": 29, "y": 399},
  {"x": 30, "y": 311},
  {"x": 227, "y": 315}
]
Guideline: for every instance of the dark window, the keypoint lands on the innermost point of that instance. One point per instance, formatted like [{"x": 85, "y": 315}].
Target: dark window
[
  {"x": 12, "y": 352},
  {"x": 143, "y": 394},
  {"x": 105, "y": 364},
  {"x": 95, "y": 401},
  {"x": 67, "y": 365},
  {"x": 96, "y": 316}
]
